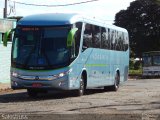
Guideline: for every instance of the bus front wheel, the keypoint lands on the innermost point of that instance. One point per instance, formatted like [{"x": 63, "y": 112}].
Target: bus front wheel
[{"x": 82, "y": 88}]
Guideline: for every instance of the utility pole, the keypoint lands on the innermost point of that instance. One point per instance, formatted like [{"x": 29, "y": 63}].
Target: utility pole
[{"x": 5, "y": 10}]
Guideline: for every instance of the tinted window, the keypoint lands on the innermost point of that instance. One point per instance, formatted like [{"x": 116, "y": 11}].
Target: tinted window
[
  {"x": 96, "y": 40},
  {"x": 92, "y": 36},
  {"x": 156, "y": 60},
  {"x": 40, "y": 48},
  {"x": 87, "y": 36},
  {"x": 105, "y": 38},
  {"x": 126, "y": 42}
]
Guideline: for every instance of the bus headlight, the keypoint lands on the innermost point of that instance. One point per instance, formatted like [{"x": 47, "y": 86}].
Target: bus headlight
[
  {"x": 61, "y": 74},
  {"x": 14, "y": 74},
  {"x": 64, "y": 73}
]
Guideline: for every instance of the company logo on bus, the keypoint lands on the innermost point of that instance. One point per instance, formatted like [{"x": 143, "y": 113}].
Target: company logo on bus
[{"x": 36, "y": 78}]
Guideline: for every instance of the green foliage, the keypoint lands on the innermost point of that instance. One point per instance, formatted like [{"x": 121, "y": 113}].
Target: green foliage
[
  {"x": 157, "y": 1},
  {"x": 135, "y": 65},
  {"x": 131, "y": 64},
  {"x": 135, "y": 72},
  {"x": 142, "y": 20}
]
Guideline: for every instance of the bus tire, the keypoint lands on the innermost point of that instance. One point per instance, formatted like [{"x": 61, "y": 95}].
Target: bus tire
[
  {"x": 32, "y": 93},
  {"x": 116, "y": 82},
  {"x": 82, "y": 88}
]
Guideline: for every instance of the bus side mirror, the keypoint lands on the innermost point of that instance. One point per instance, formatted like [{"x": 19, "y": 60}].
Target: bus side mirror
[
  {"x": 70, "y": 37},
  {"x": 6, "y": 37}
]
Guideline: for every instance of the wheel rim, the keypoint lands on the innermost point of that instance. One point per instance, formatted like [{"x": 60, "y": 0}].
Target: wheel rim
[
  {"x": 116, "y": 81},
  {"x": 81, "y": 90}
]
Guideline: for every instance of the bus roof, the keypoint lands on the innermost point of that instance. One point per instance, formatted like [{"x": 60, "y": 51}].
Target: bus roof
[
  {"x": 49, "y": 19},
  {"x": 152, "y": 52},
  {"x": 149, "y": 52}
]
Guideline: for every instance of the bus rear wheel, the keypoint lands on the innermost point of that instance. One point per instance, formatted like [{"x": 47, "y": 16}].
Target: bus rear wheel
[{"x": 116, "y": 82}]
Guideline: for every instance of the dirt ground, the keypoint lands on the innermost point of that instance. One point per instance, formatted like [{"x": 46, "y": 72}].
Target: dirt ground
[
  {"x": 4, "y": 87},
  {"x": 135, "y": 100}
]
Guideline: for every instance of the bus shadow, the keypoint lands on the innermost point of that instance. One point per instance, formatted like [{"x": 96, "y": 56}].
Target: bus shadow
[
  {"x": 95, "y": 91},
  {"x": 23, "y": 96}
]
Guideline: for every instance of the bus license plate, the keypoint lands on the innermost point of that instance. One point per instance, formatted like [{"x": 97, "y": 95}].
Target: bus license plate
[{"x": 36, "y": 85}]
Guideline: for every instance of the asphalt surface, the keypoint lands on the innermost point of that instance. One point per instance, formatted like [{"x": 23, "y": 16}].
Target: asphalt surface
[{"x": 135, "y": 100}]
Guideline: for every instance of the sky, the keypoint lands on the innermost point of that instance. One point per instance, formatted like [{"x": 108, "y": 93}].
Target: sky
[{"x": 102, "y": 9}]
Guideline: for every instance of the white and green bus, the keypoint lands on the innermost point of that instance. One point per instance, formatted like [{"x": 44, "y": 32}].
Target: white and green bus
[
  {"x": 151, "y": 64},
  {"x": 67, "y": 52}
]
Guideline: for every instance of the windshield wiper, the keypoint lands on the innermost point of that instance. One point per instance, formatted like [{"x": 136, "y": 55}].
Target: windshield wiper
[{"x": 28, "y": 58}]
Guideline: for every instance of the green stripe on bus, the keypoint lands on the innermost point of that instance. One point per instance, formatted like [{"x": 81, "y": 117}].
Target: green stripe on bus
[{"x": 96, "y": 65}]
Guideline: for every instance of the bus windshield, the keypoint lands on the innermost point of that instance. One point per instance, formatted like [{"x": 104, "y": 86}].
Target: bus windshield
[
  {"x": 40, "y": 47},
  {"x": 156, "y": 60}
]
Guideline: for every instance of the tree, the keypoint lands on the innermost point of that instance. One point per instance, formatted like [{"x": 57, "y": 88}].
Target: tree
[
  {"x": 157, "y": 1},
  {"x": 142, "y": 20}
]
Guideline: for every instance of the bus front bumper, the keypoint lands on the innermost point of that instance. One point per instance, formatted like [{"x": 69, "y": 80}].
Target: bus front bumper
[{"x": 60, "y": 83}]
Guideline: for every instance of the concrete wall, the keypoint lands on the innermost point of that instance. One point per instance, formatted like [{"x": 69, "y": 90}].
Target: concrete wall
[
  {"x": 5, "y": 52},
  {"x": 5, "y": 55}
]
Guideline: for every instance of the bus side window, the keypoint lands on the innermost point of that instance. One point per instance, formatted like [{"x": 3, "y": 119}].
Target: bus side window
[
  {"x": 96, "y": 40},
  {"x": 87, "y": 37},
  {"x": 112, "y": 39},
  {"x": 109, "y": 39},
  {"x": 126, "y": 42},
  {"x": 105, "y": 42},
  {"x": 117, "y": 43}
]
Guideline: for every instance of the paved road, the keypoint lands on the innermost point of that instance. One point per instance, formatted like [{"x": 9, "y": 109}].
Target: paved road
[{"x": 136, "y": 99}]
